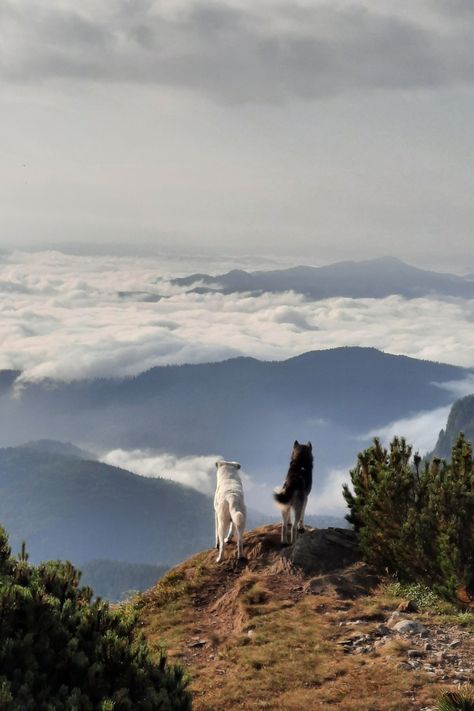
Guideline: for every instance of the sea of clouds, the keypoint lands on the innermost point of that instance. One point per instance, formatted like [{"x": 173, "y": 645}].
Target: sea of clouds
[{"x": 69, "y": 317}]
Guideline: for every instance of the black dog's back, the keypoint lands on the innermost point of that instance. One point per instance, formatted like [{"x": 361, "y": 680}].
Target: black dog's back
[{"x": 300, "y": 474}]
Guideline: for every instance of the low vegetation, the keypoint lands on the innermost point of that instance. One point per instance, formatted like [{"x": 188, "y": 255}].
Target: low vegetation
[
  {"x": 415, "y": 519},
  {"x": 61, "y": 651},
  {"x": 460, "y": 700}
]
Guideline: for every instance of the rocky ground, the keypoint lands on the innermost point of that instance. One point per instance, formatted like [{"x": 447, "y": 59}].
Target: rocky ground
[{"x": 307, "y": 626}]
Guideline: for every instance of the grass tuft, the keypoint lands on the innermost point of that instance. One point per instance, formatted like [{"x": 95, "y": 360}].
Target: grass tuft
[{"x": 460, "y": 700}]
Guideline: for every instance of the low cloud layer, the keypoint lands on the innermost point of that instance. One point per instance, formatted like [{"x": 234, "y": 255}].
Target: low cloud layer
[
  {"x": 67, "y": 317},
  {"x": 200, "y": 473},
  {"x": 327, "y": 499},
  {"x": 196, "y": 472},
  {"x": 241, "y": 51},
  {"x": 421, "y": 429}
]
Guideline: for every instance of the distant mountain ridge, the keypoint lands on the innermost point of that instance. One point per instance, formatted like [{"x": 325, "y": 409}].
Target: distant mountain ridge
[
  {"x": 241, "y": 409},
  {"x": 460, "y": 419},
  {"x": 375, "y": 278},
  {"x": 69, "y": 508}
]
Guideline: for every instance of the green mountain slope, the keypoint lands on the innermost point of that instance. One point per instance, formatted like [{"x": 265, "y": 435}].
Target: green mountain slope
[
  {"x": 115, "y": 580},
  {"x": 65, "y": 507}
]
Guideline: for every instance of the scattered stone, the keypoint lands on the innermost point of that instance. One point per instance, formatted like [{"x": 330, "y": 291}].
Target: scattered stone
[
  {"x": 415, "y": 653},
  {"x": 382, "y": 630},
  {"x": 197, "y": 643},
  {"x": 362, "y": 640},
  {"x": 251, "y": 634},
  {"x": 410, "y": 627},
  {"x": 427, "y": 647},
  {"x": 455, "y": 643},
  {"x": 362, "y": 650}
]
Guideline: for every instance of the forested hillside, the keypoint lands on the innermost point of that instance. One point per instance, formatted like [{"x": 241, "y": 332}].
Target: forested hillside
[
  {"x": 241, "y": 409},
  {"x": 80, "y": 510}
]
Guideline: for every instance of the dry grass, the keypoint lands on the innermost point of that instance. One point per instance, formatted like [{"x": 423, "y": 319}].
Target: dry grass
[{"x": 252, "y": 639}]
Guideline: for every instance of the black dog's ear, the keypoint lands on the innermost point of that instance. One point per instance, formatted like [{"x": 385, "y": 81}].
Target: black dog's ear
[
  {"x": 296, "y": 443},
  {"x": 310, "y": 445}
]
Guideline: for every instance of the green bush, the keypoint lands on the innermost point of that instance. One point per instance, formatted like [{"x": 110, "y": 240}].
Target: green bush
[
  {"x": 416, "y": 521},
  {"x": 461, "y": 700},
  {"x": 59, "y": 650}
]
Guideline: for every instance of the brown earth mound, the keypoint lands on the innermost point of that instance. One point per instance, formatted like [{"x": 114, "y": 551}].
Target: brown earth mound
[{"x": 296, "y": 627}]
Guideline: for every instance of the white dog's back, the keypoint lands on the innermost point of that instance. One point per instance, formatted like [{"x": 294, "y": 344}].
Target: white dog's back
[{"x": 229, "y": 506}]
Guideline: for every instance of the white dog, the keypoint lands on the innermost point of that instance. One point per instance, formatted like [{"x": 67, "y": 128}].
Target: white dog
[{"x": 229, "y": 507}]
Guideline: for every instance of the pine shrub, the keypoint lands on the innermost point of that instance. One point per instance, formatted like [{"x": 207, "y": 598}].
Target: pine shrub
[
  {"x": 416, "y": 520},
  {"x": 61, "y": 650}
]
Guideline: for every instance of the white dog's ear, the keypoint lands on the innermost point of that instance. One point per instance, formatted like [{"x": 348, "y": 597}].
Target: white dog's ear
[
  {"x": 217, "y": 464},
  {"x": 236, "y": 465}
]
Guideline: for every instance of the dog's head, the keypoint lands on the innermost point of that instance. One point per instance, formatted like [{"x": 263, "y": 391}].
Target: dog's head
[
  {"x": 222, "y": 462},
  {"x": 302, "y": 454}
]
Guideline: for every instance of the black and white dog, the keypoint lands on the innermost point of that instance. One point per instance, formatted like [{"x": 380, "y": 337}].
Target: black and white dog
[
  {"x": 229, "y": 507},
  {"x": 295, "y": 490}
]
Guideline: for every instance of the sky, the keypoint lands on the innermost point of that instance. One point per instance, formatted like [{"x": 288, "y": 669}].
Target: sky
[
  {"x": 309, "y": 130},
  {"x": 145, "y": 139}
]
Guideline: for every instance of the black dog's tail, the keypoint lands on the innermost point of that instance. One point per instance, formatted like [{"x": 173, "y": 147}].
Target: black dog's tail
[{"x": 285, "y": 494}]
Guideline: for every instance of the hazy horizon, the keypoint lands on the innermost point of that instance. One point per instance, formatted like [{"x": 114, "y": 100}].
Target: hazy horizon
[{"x": 317, "y": 131}]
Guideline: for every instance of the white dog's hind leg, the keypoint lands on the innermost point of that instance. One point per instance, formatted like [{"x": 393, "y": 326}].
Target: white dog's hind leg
[
  {"x": 238, "y": 519},
  {"x": 228, "y": 538},
  {"x": 222, "y": 528},
  {"x": 216, "y": 528}
]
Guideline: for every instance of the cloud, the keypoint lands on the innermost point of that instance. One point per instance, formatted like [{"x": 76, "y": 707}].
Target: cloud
[
  {"x": 327, "y": 498},
  {"x": 241, "y": 51},
  {"x": 421, "y": 429},
  {"x": 65, "y": 319},
  {"x": 198, "y": 472},
  {"x": 458, "y": 388}
]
